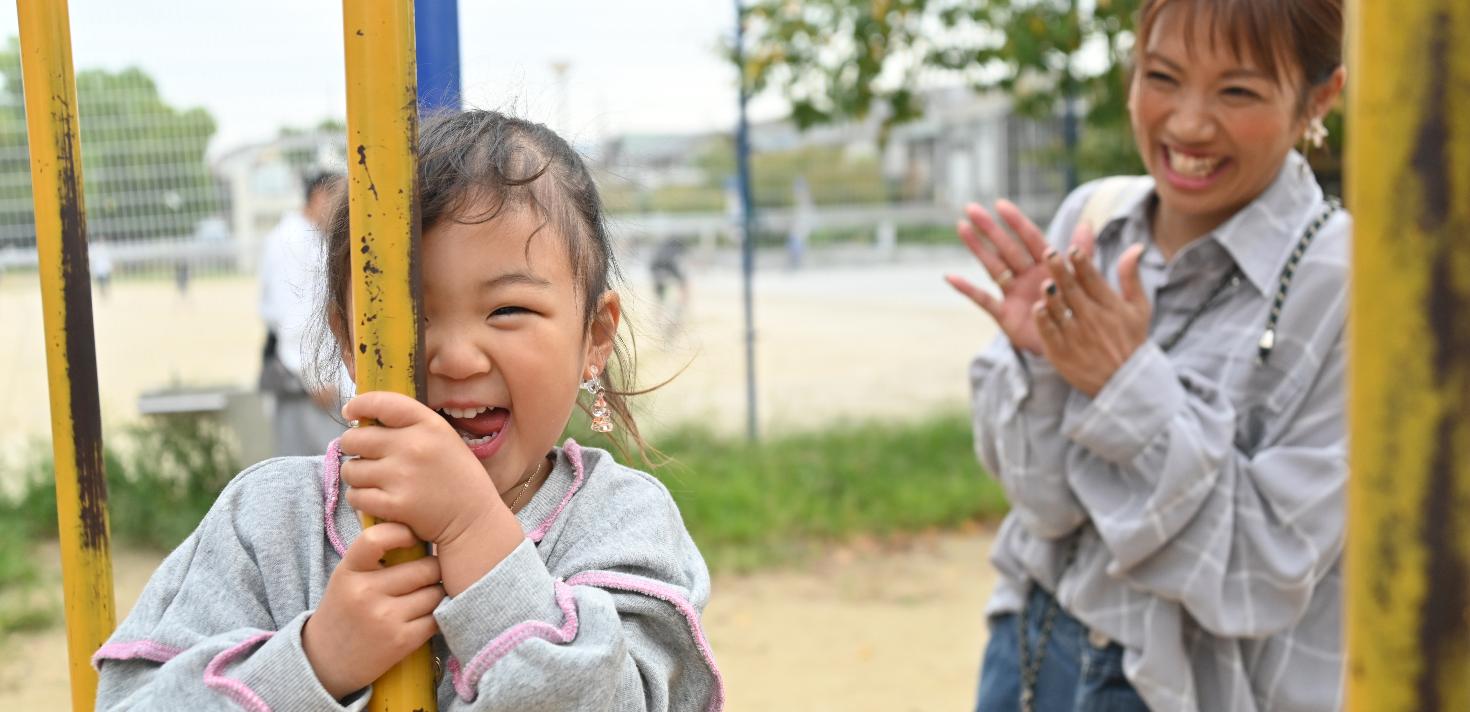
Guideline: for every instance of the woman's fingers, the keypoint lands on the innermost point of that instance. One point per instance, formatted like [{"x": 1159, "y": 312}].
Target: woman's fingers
[
  {"x": 980, "y": 297},
  {"x": 1128, "y": 278},
  {"x": 1052, "y": 340},
  {"x": 1013, "y": 254},
  {"x": 1089, "y": 280},
  {"x": 993, "y": 263},
  {"x": 1031, "y": 236}
]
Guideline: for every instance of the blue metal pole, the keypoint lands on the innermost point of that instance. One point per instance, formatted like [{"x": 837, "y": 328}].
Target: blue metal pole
[
  {"x": 747, "y": 205},
  {"x": 436, "y": 32}
]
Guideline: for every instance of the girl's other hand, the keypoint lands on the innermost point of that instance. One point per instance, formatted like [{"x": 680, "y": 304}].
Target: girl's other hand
[
  {"x": 1016, "y": 264},
  {"x": 412, "y": 467},
  {"x": 371, "y": 615}
]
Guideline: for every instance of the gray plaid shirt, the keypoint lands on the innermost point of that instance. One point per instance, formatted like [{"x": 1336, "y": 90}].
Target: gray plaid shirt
[{"x": 1204, "y": 491}]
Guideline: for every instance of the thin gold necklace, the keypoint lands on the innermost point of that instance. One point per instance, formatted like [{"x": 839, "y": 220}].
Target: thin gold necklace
[{"x": 526, "y": 485}]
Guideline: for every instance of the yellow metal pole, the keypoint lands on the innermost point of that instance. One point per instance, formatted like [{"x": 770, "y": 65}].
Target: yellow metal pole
[
  {"x": 71, "y": 353},
  {"x": 382, "y": 141},
  {"x": 1408, "y": 172}
]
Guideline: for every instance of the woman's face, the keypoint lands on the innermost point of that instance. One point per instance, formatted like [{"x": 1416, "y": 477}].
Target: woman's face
[{"x": 1212, "y": 128}]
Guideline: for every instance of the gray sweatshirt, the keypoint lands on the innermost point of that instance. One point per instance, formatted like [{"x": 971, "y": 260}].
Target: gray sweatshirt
[{"x": 597, "y": 609}]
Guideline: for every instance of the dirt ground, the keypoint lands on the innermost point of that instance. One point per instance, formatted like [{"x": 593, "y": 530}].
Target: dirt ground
[
  {"x": 896, "y": 627},
  {"x": 842, "y": 342}
]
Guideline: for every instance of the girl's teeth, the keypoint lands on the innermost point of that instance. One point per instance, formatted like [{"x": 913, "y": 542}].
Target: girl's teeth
[
  {"x": 1192, "y": 166},
  {"x": 473, "y": 441},
  {"x": 465, "y": 412}
]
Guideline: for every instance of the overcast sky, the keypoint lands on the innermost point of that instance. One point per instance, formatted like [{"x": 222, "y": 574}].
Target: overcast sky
[{"x": 635, "y": 65}]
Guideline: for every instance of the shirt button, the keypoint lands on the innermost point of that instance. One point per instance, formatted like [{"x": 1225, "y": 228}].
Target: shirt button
[{"x": 1097, "y": 640}]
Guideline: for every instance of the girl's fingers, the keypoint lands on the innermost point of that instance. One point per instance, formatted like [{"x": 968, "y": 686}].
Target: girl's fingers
[
  {"x": 366, "y": 442},
  {"x": 993, "y": 264},
  {"x": 980, "y": 297},
  {"x": 409, "y": 576},
  {"x": 421, "y": 602},
  {"x": 1031, "y": 236},
  {"x": 1014, "y": 256},
  {"x": 393, "y": 410},
  {"x": 366, "y": 552},
  {"x": 423, "y": 628},
  {"x": 363, "y": 474},
  {"x": 378, "y": 503}
]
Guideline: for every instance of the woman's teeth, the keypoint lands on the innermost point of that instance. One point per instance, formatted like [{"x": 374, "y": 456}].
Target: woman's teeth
[
  {"x": 465, "y": 412},
  {"x": 1192, "y": 166}
]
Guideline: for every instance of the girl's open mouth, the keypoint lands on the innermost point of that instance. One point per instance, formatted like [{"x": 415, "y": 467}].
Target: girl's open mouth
[{"x": 481, "y": 427}]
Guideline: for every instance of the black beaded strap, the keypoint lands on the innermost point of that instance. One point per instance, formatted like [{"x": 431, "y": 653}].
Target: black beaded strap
[{"x": 1268, "y": 337}]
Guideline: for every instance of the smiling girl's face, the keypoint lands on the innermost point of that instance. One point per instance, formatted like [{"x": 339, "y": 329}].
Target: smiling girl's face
[
  {"x": 506, "y": 339},
  {"x": 1212, "y": 126}
]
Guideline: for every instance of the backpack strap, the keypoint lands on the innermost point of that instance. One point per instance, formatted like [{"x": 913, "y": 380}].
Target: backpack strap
[{"x": 1107, "y": 197}]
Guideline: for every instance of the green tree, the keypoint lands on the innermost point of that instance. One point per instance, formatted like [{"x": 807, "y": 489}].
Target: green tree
[
  {"x": 143, "y": 163},
  {"x": 837, "y": 60}
]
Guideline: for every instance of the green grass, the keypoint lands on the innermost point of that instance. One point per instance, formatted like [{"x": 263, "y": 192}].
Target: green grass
[
  {"x": 746, "y": 506},
  {"x": 749, "y": 507}
]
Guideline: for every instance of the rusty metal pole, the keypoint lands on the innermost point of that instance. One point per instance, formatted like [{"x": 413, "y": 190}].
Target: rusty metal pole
[
  {"x": 382, "y": 175},
  {"x": 71, "y": 352},
  {"x": 1408, "y": 173}
]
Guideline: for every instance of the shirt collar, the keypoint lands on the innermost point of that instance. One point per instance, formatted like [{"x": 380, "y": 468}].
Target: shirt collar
[{"x": 1258, "y": 237}]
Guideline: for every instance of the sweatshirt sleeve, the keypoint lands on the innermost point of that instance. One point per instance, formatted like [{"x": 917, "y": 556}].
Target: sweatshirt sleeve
[
  {"x": 203, "y": 635},
  {"x": 616, "y": 627}
]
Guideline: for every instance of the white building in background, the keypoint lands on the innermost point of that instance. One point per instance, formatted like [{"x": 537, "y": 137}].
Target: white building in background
[{"x": 264, "y": 180}]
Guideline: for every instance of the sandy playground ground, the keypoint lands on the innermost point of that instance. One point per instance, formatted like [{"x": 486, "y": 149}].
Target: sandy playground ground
[{"x": 895, "y": 626}]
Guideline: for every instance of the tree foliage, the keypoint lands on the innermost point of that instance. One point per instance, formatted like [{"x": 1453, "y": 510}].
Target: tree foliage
[
  {"x": 143, "y": 163},
  {"x": 838, "y": 60}
]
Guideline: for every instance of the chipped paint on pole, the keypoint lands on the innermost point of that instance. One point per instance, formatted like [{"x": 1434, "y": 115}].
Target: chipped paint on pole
[
  {"x": 71, "y": 354},
  {"x": 1408, "y": 171},
  {"x": 382, "y": 175}
]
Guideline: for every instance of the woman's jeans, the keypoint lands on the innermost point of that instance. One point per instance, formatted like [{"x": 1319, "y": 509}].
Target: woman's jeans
[{"x": 1076, "y": 675}]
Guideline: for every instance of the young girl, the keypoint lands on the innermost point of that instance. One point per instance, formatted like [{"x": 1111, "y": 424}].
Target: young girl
[
  {"x": 561, "y": 580},
  {"x": 1173, "y": 446}
]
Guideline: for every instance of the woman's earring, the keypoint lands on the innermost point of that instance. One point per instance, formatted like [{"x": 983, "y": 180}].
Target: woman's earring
[
  {"x": 601, "y": 414},
  {"x": 1316, "y": 133}
]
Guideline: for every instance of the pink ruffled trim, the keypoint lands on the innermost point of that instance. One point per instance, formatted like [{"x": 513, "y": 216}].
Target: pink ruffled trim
[
  {"x": 466, "y": 680},
  {"x": 234, "y": 689},
  {"x": 138, "y": 649},
  {"x": 574, "y": 455},
  {"x": 331, "y": 487},
  {"x": 621, "y": 582}
]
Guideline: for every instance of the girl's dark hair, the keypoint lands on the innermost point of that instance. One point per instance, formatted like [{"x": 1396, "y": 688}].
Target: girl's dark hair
[
  {"x": 472, "y": 166},
  {"x": 1278, "y": 35}
]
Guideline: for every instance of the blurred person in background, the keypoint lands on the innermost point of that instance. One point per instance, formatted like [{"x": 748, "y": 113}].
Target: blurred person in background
[
  {"x": 1165, "y": 404},
  {"x": 303, "y": 412}
]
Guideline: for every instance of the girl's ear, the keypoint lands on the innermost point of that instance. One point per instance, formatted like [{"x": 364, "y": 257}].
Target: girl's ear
[{"x": 604, "y": 330}]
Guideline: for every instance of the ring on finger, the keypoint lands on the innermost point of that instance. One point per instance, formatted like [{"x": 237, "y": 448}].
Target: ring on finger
[
  {"x": 1067, "y": 314},
  {"x": 1005, "y": 278}
]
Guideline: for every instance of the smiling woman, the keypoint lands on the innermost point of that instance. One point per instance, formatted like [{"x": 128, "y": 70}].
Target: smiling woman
[{"x": 1165, "y": 405}]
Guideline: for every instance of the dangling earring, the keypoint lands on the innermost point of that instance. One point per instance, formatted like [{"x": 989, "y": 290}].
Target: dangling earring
[
  {"x": 1316, "y": 133},
  {"x": 601, "y": 414}
]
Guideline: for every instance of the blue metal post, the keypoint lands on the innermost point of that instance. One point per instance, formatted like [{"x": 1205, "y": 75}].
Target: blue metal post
[
  {"x": 747, "y": 204},
  {"x": 436, "y": 32}
]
